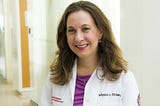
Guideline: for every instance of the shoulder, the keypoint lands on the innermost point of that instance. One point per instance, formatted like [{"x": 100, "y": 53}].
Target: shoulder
[
  {"x": 127, "y": 75},
  {"x": 50, "y": 83},
  {"x": 128, "y": 80},
  {"x": 130, "y": 91}
]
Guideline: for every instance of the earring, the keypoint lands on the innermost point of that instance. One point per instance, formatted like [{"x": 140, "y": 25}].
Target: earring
[{"x": 99, "y": 41}]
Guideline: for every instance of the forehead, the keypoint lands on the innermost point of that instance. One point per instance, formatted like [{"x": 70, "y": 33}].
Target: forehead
[{"x": 79, "y": 18}]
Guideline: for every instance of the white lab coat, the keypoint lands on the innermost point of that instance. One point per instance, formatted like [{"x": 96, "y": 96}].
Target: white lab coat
[{"x": 123, "y": 92}]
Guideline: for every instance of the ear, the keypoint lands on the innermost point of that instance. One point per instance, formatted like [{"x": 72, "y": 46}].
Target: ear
[{"x": 100, "y": 35}]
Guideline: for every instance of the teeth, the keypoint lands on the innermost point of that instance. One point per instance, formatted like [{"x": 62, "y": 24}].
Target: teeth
[{"x": 82, "y": 45}]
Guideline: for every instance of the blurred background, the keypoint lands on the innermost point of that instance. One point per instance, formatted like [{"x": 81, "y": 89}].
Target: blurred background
[{"x": 28, "y": 44}]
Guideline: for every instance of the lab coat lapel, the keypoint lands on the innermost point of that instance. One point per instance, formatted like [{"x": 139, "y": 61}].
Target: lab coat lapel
[
  {"x": 73, "y": 80},
  {"x": 93, "y": 88}
]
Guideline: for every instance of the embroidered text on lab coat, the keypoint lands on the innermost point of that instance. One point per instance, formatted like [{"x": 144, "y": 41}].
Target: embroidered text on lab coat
[{"x": 110, "y": 94}]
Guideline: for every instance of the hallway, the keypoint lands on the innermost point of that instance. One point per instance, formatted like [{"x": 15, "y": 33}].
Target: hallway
[{"x": 9, "y": 96}]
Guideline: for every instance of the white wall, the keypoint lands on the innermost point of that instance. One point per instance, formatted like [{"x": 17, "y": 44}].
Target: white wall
[
  {"x": 140, "y": 44},
  {"x": 12, "y": 42},
  {"x": 38, "y": 43},
  {"x": 16, "y": 69},
  {"x": 8, "y": 43},
  {"x": 2, "y": 49}
]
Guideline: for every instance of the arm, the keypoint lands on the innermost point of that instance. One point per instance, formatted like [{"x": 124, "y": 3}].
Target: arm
[
  {"x": 45, "y": 98},
  {"x": 131, "y": 95}
]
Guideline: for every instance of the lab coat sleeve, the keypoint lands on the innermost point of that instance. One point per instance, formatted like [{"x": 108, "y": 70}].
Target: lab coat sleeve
[
  {"x": 45, "y": 98},
  {"x": 131, "y": 95}
]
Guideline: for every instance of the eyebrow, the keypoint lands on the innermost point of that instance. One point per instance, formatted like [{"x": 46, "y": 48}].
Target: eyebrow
[
  {"x": 81, "y": 26},
  {"x": 85, "y": 25},
  {"x": 70, "y": 27}
]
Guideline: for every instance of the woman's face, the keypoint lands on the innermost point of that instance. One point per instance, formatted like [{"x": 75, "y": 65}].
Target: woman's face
[{"x": 82, "y": 34}]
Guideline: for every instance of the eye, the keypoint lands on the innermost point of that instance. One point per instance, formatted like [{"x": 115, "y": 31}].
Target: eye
[
  {"x": 71, "y": 31},
  {"x": 86, "y": 29}
]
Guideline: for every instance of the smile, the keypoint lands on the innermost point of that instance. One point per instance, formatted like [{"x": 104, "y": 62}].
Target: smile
[{"x": 81, "y": 47}]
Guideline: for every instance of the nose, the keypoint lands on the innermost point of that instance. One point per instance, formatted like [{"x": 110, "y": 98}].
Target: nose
[{"x": 79, "y": 37}]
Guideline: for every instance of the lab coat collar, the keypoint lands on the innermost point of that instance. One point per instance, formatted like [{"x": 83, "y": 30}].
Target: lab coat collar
[{"x": 98, "y": 71}]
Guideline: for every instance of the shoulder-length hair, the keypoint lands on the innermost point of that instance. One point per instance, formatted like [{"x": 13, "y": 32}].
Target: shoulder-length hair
[{"x": 110, "y": 56}]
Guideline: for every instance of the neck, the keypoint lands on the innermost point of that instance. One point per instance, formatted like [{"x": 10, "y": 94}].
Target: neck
[{"x": 86, "y": 66}]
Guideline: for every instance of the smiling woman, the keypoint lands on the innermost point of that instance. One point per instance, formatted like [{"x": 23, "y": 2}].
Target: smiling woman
[
  {"x": 43, "y": 18},
  {"x": 83, "y": 35},
  {"x": 89, "y": 68}
]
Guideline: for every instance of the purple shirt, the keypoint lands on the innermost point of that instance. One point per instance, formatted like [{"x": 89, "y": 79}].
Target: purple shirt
[{"x": 79, "y": 89}]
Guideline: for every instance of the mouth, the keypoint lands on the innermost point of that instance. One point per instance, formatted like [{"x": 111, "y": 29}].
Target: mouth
[{"x": 82, "y": 46}]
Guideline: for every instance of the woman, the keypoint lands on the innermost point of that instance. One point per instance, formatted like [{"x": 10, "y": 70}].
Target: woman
[{"x": 89, "y": 69}]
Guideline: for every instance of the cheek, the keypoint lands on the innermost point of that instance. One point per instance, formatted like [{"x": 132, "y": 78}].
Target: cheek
[
  {"x": 69, "y": 40},
  {"x": 94, "y": 36},
  {"x": 93, "y": 39}
]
